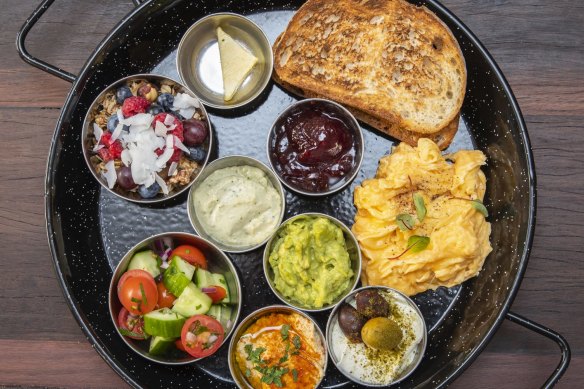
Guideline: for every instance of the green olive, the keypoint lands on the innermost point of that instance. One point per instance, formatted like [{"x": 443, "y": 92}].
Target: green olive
[{"x": 381, "y": 333}]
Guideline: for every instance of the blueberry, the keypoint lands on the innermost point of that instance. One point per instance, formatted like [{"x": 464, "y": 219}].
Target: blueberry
[
  {"x": 155, "y": 109},
  {"x": 178, "y": 115},
  {"x": 149, "y": 192},
  {"x": 197, "y": 153},
  {"x": 165, "y": 100},
  {"x": 112, "y": 123},
  {"x": 122, "y": 94}
]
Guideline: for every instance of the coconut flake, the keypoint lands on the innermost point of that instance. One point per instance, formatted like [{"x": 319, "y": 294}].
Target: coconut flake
[
  {"x": 117, "y": 132},
  {"x": 120, "y": 115},
  {"x": 168, "y": 120},
  {"x": 162, "y": 184},
  {"x": 126, "y": 157},
  {"x": 110, "y": 174},
  {"x": 164, "y": 157},
  {"x": 184, "y": 100},
  {"x": 180, "y": 145},
  {"x": 172, "y": 169},
  {"x": 140, "y": 119},
  {"x": 160, "y": 129},
  {"x": 187, "y": 112},
  {"x": 97, "y": 147},
  {"x": 97, "y": 132}
]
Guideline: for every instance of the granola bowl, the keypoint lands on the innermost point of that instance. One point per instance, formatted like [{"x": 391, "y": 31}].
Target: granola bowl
[{"x": 146, "y": 138}]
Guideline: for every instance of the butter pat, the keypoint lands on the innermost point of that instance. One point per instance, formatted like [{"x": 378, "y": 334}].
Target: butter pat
[{"x": 236, "y": 63}]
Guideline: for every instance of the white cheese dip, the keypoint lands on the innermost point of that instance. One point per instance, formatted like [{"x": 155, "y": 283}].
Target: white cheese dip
[
  {"x": 238, "y": 206},
  {"x": 380, "y": 367}
]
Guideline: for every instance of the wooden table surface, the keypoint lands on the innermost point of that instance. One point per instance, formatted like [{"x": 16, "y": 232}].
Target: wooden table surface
[{"x": 539, "y": 44}]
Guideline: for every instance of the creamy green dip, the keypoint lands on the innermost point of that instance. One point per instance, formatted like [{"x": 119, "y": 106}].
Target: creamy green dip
[
  {"x": 238, "y": 206},
  {"x": 310, "y": 261}
]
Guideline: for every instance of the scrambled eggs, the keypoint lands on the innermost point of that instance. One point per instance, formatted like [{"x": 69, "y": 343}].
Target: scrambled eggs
[{"x": 458, "y": 232}]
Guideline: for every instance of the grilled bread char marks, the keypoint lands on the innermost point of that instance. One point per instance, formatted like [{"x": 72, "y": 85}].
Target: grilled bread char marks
[{"x": 388, "y": 59}]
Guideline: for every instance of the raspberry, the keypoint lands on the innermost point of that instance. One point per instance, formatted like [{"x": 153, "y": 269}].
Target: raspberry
[
  {"x": 176, "y": 155},
  {"x": 114, "y": 149},
  {"x": 133, "y": 105},
  {"x": 178, "y": 130},
  {"x": 105, "y": 154}
]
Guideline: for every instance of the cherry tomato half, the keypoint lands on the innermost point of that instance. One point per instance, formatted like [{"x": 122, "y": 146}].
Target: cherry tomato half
[
  {"x": 131, "y": 323},
  {"x": 137, "y": 292},
  {"x": 191, "y": 254},
  {"x": 165, "y": 298},
  {"x": 179, "y": 345},
  {"x": 202, "y": 335},
  {"x": 216, "y": 292}
]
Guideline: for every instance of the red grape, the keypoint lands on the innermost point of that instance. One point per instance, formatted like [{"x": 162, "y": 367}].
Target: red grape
[
  {"x": 195, "y": 132},
  {"x": 125, "y": 179}
]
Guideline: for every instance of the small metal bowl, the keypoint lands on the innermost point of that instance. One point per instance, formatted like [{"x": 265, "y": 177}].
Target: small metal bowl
[
  {"x": 236, "y": 373},
  {"x": 87, "y": 138},
  {"x": 332, "y": 321},
  {"x": 199, "y": 66},
  {"x": 340, "y": 112},
  {"x": 352, "y": 248},
  {"x": 217, "y": 262},
  {"x": 221, "y": 163}
]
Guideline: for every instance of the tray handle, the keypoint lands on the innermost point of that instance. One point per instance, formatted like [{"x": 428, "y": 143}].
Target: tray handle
[
  {"x": 39, "y": 63},
  {"x": 550, "y": 334}
]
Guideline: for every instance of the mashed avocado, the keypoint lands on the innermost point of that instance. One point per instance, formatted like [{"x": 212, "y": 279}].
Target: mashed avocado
[{"x": 310, "y": 262}]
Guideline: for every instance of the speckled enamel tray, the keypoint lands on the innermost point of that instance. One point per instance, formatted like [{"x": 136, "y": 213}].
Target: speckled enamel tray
[{"x": 89, "y": 229}]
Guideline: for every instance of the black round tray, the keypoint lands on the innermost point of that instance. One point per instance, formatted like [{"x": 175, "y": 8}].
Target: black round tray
[{"x": 90, "y": 229}]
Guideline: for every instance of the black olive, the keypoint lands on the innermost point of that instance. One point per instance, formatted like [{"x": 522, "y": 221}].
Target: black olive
[
  {"x": 351, "y": 322},
  {"x": 371, "y": 304}
]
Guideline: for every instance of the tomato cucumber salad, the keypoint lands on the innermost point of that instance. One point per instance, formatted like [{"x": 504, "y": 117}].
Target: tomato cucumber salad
[{"x": 173, "y": 301}]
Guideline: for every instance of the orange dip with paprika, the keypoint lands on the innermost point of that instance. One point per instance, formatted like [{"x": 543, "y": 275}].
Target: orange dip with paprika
[{"x": 281, "y": 350}]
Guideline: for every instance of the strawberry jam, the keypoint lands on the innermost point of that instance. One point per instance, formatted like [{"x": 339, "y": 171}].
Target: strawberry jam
[{"x": 313, "y": 148}]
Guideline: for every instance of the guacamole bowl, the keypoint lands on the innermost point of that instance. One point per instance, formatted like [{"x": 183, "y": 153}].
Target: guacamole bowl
[{"x": 312, "y": 262}]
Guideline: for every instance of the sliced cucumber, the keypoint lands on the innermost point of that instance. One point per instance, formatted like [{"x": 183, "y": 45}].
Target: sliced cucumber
[
  {"x": 219, "y": 280},
  {"x": 159, "y": 345},
  {"x": 204, "y": 278},
  {"x": 145, "y": 260},
  {"x": 222, "y": 313},
  {"x": 178, "y": 275},
  {"x": 192, "y": 302},
  {"x": 163, "y": 322}
]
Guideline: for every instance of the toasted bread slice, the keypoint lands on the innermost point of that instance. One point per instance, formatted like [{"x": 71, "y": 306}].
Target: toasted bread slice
[
  {"x": 442, "y": 138},
  {"x": 394, "y": 64}
]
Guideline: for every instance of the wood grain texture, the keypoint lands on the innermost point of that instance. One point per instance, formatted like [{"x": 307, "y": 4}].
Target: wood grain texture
[{"x": 538, "y": 44}]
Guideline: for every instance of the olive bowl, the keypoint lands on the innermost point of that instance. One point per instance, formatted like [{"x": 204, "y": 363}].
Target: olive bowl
[
  {"x": 333, "y": 321},
  {"x": 222, "y": 163},
  {"x": 236, "y": 373},
  {"x": 217, "y": 261},
  {"x": 87, "y": 138},
  {"x": 352, "y": 248}
]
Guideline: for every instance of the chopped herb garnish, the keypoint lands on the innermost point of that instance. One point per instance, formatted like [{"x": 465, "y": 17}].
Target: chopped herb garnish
[
  {"x": 254, "y": 355},
  {"x": 284, "y": 331},
  {"x": 296, "y": 341},
  {"x": 476, "y": 204},
  {"x": 247, "y": 373},
  {"x": 416, "y": 243},
  {"x": 295, "y": 375},
  {"x": 133, "y": 334},
  {"x": 143, "y": 294},
  {"x": 420, "y": 206},
  {"x": 405, "y": 222},
  {"x": 199, "y": 329}
]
